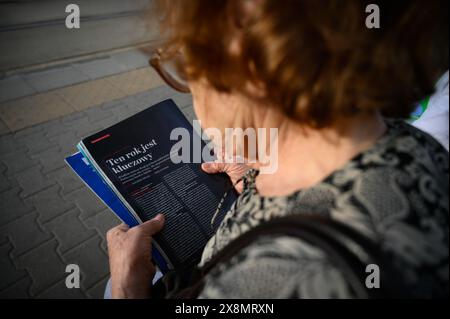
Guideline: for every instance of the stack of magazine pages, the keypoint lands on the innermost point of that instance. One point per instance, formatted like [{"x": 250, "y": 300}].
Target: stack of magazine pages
[{"x": 130, "y": 168}]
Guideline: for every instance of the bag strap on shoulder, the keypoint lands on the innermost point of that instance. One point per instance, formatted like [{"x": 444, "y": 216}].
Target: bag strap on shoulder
[{"x": 346, "y": 248}]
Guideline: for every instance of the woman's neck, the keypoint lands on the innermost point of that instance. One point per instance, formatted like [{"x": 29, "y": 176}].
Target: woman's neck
[{"x": 307, "y": 156}]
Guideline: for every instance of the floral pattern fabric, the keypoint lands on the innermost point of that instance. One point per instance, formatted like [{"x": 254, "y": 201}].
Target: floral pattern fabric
[{"x": 395, "y": 193}]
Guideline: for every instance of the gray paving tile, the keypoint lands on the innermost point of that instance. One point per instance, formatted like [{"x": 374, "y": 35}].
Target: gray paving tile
[
  {"x": 117, "y": 107},
  {"x": 25, "y": 233},
  {"x": 12, "y": 206},
  {"x": 50, "y": 159},
  {"x": 102, "y": 222},
  {"x": 31, "y": 180},
  {"x": 58, "y": 77},
  {"x": 9, "y": 274},
  {"x": 28, "y": 131},
  {"x": 104, "y": 124},
  {"x": 88, "y": 203},
  {"x": 65, "y": 227},
  {"x": 60, "y": 291},
  {"x": 49, "y": 203},
  {"x": 67, "y": 142},
  {"x": 44, "y": 266},
  {"x": 13, "y": 87},
  {"x": 98, "y": 290},
  {"x": 66, "y": 178},
  {"x": 69, "y": 119},
  {"x": 132, "y": 59},
  {"x": 17, "y": 162},
  {"x": 55, "y": 127},
  {"x": 85, "y": 127},
  {"x": 47, "y": 214},
  {"x": 3, "y": 239},
  {"x": 141, "y": 101},
  {"x": 8, "y": 144},
  {"x": 99, "y": 68},
  {"x": 4, "y": 129},
  {"x": 36, "y": 142},
  {"x": 66, "y": 125},
  {"x": 97, "y": 114},
  {"x": 93, "y": 264},
  {"x": 18, "y": 290},
  {"x": 5, "y": 183},
  {"x": 32, "y": 110}
]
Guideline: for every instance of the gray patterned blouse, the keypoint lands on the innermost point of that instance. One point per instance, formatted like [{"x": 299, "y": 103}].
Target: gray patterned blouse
[{"x": 396, "y": 193}]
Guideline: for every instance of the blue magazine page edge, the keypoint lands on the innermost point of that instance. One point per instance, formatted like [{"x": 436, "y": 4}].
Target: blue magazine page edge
[{"x": 81, "y": 166}]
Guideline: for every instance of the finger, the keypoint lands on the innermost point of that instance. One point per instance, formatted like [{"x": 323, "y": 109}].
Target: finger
[
  {"x": 239, "y": 187},
  {"x": 122, "y": 227},
  {"x": 152, "y": 226},
  {"x": 214, "y": 167},
  {"x": 117, "y": 231}
]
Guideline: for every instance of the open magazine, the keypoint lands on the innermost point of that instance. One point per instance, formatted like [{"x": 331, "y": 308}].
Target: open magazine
[{"x": 130, "y": 168}]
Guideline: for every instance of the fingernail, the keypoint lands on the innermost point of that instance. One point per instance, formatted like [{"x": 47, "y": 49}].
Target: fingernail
[
  {"x": 206, "y": 166},
  {"x": 159, "y": 217}
]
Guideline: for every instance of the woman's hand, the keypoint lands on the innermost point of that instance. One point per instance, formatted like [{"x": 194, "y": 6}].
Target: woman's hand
[
  {"x": 233, "y": 170},
  {"x": 130, "y": 262}
]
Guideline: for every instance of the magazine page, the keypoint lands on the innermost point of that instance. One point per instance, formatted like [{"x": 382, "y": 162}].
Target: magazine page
[{"x": 134, "y": 157}]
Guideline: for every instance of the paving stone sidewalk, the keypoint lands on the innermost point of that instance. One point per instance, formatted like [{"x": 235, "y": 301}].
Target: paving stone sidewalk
[
  {"x": 48, "y": 218},
  {"x": 28, "y": 98}
]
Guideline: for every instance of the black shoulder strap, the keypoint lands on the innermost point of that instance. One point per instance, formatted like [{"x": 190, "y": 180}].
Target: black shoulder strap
[{"x": 346, "y": 248}]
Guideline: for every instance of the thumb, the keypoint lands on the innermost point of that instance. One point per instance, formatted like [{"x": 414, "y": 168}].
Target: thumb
[{"x": 152, "y": 226}]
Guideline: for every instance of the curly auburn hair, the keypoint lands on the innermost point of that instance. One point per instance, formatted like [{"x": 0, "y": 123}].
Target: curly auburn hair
[{"x": 316, "y": 60}]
